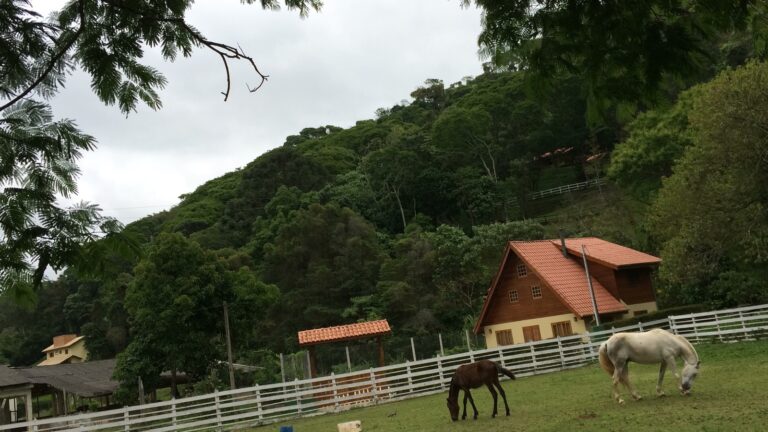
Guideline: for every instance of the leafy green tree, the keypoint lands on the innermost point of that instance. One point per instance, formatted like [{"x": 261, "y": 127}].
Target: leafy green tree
[
  {"x": 657, "y": 139},
  {"x": 623, "y": 51},
  {"x": 38, "y": 159},
  {"x": 711, "y": 215},
  {"x": 324, "y": 257},
  {"x": 174, "y": 305},
  {"x": 106, "y": 39}
]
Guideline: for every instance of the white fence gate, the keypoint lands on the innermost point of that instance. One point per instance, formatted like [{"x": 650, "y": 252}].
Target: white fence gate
[{"x": 269, "y": 403}]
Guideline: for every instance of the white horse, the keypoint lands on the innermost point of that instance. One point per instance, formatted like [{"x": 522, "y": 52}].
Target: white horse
[{"x": 654, "y": 346}]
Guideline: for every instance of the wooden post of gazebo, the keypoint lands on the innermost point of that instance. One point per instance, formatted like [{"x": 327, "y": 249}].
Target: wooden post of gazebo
[
  {"x": 363, "y": 330},
  {"x": 381, "y": 351}
]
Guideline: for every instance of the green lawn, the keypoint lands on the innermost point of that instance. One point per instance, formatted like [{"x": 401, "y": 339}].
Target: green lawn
[{"x": 731, "y": 394}]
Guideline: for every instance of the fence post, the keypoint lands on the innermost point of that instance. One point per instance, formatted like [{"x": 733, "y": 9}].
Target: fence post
[
  {"x": 126, "y": 420},
  {"x": 410, "y": 376},
  {"x": 695, "y": 328},
  {"x": 373, "y": 387},
  {"x": 672, "y": 324},
  {"x": 335, "y": 392},
  {"x": 640, "y": 326},
  {"x": 501, "y": 357},
  {"x": 282, "y": 367},
  {"x": 173, "y": 412},
  {"x": 298, "y": 396},
  {"x": 258, "y": 402},
  {"x": 533, "y": 358},
  {"x": 440, "y": 338},
  {"x": 717, "y": 326},
  {"x": 743, "y": 325},
  {"x": 218, "y": 409},
  {"x": 560, "y": 351},
  {"x": 440, "y": 371},
  {"x": 413, "y": 349}
]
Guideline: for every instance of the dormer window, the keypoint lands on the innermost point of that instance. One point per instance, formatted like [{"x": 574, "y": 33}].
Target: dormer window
[{"x": 521, "y": 270}]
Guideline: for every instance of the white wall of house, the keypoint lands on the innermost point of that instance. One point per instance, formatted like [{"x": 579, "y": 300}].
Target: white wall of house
[
  {"x": 544, "y": 323},
  {"x": 648, "y": 307}
]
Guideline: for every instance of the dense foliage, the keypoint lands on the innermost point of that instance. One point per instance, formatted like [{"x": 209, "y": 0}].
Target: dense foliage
[{"x": 405, "y": 216}]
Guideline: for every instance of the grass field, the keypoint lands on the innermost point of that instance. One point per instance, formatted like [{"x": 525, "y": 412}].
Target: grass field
[{"x": 731, "y": 394}]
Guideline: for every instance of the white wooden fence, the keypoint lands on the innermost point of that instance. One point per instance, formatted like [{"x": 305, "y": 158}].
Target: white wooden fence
[
  {"x": 234, "y": 409},
  {"x": 566, "y": 188}
]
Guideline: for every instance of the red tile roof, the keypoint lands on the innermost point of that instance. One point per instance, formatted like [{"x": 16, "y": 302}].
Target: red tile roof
[
  {"x": 344, "y": 332},
  {"x": 566, "y": 276},
  {"x": 607, "y": 253}
]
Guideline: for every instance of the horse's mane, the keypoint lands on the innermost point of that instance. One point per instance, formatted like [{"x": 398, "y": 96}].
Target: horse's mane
[{"x": 689, "y": 346}]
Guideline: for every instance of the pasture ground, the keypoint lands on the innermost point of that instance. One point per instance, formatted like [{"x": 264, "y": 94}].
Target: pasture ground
[{"x": 731, "y": 394}]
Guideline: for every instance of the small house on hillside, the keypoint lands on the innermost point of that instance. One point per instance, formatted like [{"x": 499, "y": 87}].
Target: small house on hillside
[
  {"x": 541, "y": 289},
  {"x": 68, "y": 348}
]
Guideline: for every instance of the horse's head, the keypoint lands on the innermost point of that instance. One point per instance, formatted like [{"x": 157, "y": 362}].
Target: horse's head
[
  {"x": 453, "y": 408},
  {"x": 690, "y": 372}
]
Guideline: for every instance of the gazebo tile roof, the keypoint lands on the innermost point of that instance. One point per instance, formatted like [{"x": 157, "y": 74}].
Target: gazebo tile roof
[{"x": 344, "y": 332}]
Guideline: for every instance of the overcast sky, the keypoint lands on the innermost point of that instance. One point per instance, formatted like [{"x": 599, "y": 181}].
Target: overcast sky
[{"x": 334, "y": 67}]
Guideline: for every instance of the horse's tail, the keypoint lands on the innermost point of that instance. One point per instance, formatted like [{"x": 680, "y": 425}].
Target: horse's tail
[
  {"x": 504, "y": 371},
  {"x": 605, "y": 361}
]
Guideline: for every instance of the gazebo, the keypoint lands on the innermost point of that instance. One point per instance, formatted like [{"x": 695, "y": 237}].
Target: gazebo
[{"x": 349, "y": 332}]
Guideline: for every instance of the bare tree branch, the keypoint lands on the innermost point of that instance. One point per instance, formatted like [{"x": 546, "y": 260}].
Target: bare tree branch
[{"x": 226, "y": 52}]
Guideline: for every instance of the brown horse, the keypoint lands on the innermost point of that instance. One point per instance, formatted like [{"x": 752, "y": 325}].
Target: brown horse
[{"x": 473, "y": 375}]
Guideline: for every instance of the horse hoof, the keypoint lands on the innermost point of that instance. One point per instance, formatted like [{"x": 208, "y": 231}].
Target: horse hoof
[
  {"x": 637, "y": 398},
  {"x": 621, "y": 401},
  {"x": 661, "y": 394}
]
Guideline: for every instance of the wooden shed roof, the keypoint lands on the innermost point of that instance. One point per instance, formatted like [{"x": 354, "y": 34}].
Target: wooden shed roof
[{"x": 344, "y": 332}]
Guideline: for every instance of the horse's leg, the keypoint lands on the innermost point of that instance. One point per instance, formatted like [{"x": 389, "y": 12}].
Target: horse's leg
[
  {"x": 495, "y": 399},
  {"x": 618, "y": 370},
  {"x": 628, "y": 384},
  {"x": 472, "y": 401},
  {"x": 662, "y": 369},
  {"x": 503, "y": 395},
  {"x": 466, "y": 396}
]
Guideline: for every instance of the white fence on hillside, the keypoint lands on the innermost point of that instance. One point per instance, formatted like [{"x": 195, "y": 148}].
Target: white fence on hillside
[
  {"x": 251, "y": 406},
  {"x": 573, "y": 187}
]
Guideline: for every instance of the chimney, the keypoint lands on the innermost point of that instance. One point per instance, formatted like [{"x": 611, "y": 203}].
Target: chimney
[{"x": 562, "y": 244}]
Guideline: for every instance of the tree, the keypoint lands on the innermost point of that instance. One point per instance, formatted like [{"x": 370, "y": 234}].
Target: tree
[
  {"x": 38, "y": 164},
  {"x": 106, "y": 39},
  {"x": 622, "y": 50},
  {"x": 320, "y": 260},
  {"x": 174, "y": 305},
  {"x": 711, "y": 214}
]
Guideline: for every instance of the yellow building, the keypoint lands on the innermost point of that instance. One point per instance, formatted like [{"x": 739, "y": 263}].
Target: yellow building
[{"x": 68, "y": 348}]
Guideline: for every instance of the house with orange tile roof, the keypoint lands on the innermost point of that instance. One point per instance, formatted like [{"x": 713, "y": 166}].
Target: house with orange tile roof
[
  {"x": 68, "y": 348},
  {"x": 541, "y": 290}
]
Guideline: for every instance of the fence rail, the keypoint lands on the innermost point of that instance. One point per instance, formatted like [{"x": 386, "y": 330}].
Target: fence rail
[
  {"x": 269, "y": 403},
  {"x": 567, "y": 188}
]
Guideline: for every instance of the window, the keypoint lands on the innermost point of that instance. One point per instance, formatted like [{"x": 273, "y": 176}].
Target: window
[
  {"x": 50, "y": 354},
  {"x": 513, "y": 298},
  {"x": 531, "y": 333},
  {"x": 522, "y": 271},
  {"x": 562, "y": 328},
  {"x": 504, "y": 337},
  {"x": 640, "y": 312},
  {"x": 66, "y": 351},
  {"x": 536, "y": 291}
]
